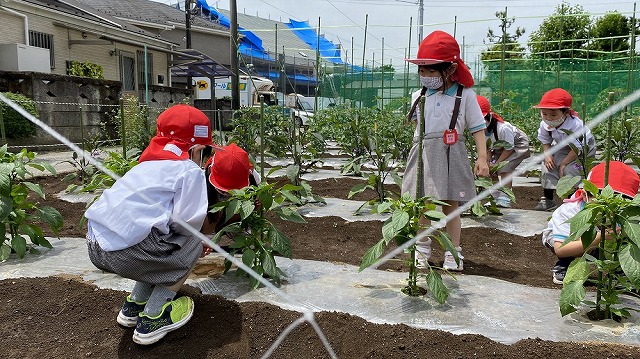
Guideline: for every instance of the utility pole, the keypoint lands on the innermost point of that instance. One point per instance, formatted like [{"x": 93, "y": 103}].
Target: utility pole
[
  {"x": 420, "y": 19},
  {"x": 235, "y": 76},
  {"x": 187, "y": 26},
  {"x": 187, "y": 21}
]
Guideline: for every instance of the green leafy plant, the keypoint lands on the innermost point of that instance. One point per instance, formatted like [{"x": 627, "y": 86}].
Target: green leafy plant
[
  {"x": 85, "y": 69},
  {"x": 253, "y": 235},
  {"x": 403, "y": 226},
  {"x": 16, "y": 125},
  {"x": 616, "y": 265},
  {"x": 134, "y": 128},
  {"x": 116, "y": 163},
  {"x": 18, "y": 214},
  {"x": 384, "y": 163}
]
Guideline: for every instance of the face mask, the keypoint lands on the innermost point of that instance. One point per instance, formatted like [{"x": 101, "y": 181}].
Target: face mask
[
  {"x": 555, "y": 123},
  {"x": 432, "y": 83}
]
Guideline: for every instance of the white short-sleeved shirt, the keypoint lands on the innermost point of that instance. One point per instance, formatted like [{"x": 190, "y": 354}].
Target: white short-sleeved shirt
[
  {"x": 505, "y": 132},
  {"x": 548, "y": 134},
  {"x": 439, "y": 108},
  {"x": 122, "y": 217},
  {"x": 558, "y": 229}
]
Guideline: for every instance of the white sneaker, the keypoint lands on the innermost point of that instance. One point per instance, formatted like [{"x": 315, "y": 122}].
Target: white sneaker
[
  {"x": 503, "y": 202},
  {"x": 450, "y": 262},
  {"x": 423, "y": 253}
]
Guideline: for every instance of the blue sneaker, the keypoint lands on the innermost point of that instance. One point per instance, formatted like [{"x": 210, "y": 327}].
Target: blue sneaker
[
  {"x": 174, "y": 315},
  {"x": 128, "y": 315}
]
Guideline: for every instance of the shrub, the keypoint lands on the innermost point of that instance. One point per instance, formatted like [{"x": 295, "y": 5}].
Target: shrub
[
  {"x": 16, "y": 125},
  {"x": 18, "y": 214},
  {"x": 85, "y": 69}
]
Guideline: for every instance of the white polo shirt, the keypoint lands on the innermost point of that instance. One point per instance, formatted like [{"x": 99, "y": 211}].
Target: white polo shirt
[
  {"x": 122, "y": 217},
  {"x": 558, "y": 227},
  {"x": 548, "y": 134},
  {"x": 439, "y": 108}
]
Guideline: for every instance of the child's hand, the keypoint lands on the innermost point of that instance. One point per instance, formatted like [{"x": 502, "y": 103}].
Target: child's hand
[
  {"x": 549, "y": 163},
  {"x": 205, "y": 250},
  {"x": 481, "y": 168}
]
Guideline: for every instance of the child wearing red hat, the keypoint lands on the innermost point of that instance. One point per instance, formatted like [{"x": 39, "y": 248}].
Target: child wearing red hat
[
  {"x": 228, "y": 169},
  {"x": 513, "y": 153},
  {"x": 135, "y": 228},
  {"x": 558, "y": 122},
  {"x": 450, "y": 108},
  {"x": 622, "y": 179}
]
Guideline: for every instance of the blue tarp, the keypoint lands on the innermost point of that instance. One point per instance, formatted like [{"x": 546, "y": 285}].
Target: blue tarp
[
  {"x": 250, "y": 44},
  {"x": 275, "y": 75},
  {"x": 328, "y": 50}
]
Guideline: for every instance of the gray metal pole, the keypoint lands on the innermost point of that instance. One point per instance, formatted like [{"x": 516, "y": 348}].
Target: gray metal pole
[{"x": 235, "y": 71}]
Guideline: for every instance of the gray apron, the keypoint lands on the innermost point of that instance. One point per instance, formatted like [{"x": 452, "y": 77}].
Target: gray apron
[{"x": 443, "y": 178}]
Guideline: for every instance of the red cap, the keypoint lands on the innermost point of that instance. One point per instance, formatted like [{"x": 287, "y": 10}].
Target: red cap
[
  {"x": 230, "y": 168},
  {"x": 179, "y": 128},
  {"x": 185, "y": 123},
  {"x": 485, "y": 106},
  {"x": 555, "y": 99},
  {"x": 439, "y": 47},
  {"x": 622, "y": 178}
]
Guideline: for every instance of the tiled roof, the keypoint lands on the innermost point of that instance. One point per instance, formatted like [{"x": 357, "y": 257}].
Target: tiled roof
[
  {"x": 146, "y": 10},
  {"x": 84, "y": 10}
]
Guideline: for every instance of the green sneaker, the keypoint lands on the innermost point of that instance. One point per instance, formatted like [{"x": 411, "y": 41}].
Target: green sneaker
[
  {"x": 174, "y": 315},
  {"x": 128, "y": 315}
]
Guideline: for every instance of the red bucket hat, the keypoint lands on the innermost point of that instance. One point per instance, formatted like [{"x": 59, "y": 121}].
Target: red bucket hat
[
  {"x": 230, "y": 168},
  {"x": 179, "y": 128},
  {"x": 555, "y": 99},
  {"x": 439, "y": 47},
  {"x": 485, "y": 107},
  {"x": 622, "y": 178}
]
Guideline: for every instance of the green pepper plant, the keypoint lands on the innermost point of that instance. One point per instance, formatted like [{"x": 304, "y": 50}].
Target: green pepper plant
[
  {"x": 402, "y": 227},
  {"x": 253, "y": 235},
  {"x": 18, "y": 214},
  {"x": 615, "y": 267}
]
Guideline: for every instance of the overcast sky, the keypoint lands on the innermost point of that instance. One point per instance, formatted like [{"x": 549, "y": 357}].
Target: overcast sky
[{"x": 342, "y": 20}]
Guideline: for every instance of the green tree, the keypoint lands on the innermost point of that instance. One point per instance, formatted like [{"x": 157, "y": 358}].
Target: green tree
[
  {"x": 611, "y": 33},
  {"x": 565, "y": 31},
  {"x": 512, "y": 49}
]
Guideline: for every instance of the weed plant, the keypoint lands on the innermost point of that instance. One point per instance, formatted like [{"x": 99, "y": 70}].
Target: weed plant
[{"x": 19, "y": 215}]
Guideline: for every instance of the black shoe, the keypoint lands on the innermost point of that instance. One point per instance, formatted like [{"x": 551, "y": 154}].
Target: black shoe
[
  {"x": 546, "y": 205},
  {"x": 128, "y": 315},
  {"x": 560, "y": 271}
]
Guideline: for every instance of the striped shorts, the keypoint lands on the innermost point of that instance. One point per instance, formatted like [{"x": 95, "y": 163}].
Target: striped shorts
[{"x": 160, "y": 259}]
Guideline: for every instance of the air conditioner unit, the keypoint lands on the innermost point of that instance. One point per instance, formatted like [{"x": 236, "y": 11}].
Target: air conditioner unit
[{"x": 20, "y": 57}]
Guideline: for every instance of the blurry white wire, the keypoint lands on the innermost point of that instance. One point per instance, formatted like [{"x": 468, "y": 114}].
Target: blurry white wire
[{"x": 307, "y": 314}]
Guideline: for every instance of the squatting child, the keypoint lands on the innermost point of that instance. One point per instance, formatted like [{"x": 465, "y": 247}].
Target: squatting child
[
  {"x": 558, "y": 122},
  {"x": 622, "y": 179},
  {"x": 134, "y": 229},
  {"x": 516, "y": 150}
]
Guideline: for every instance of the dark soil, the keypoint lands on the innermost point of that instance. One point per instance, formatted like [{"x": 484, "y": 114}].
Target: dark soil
[{"x": 62, "y": 317}]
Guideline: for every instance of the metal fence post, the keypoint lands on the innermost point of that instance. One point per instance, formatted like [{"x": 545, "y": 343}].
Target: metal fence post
[
  {"x": 3, "y": 135},
  {"x": 123, "y": 131},
  {"x": 82, "y": 129}
]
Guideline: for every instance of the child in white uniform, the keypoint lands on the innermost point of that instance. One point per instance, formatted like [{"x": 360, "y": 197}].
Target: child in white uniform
[
  {"x": 133, "y": 227},
  {"x": 622, "y": 179},
  {"x": 558, "y": 122},
  {"x": 447, "y": 174},
  {"x": 513, "y": 153}
]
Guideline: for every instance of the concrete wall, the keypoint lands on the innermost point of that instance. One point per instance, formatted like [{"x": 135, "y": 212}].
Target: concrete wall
[{"x": 76, "y": 107}]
